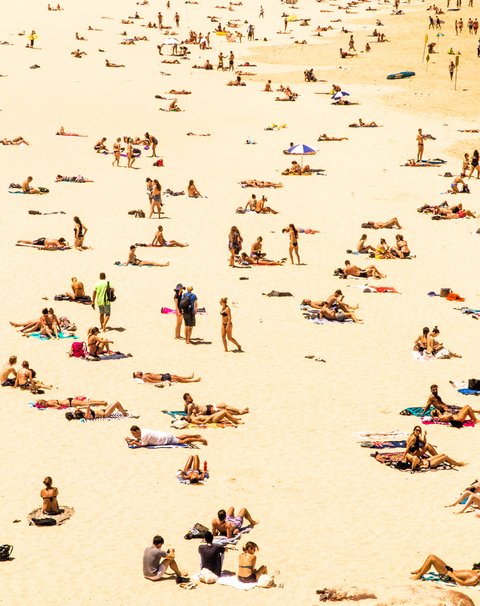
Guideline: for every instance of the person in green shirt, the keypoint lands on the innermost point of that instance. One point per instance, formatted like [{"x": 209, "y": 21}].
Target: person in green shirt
[{"x": 100, "y": 296}]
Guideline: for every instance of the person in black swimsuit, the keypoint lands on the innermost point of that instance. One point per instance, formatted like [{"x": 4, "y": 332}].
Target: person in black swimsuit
[
  {"x": 475, "y": 164},
  {"x": 79, "y": 231}
]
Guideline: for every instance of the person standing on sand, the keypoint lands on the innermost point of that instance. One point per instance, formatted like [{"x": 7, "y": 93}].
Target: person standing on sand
[
  {"x": 451, "y": 70},
  {"x": 227, "y": 326},
  {"x": 420, "y": 145},
  {"x": 188, "y": 306},
  {"x": 177, "y": 297},
  {"x": 104, "y": 304},
  {"x": 231, "y": 61},
  {"x": 130, "y": 156},
  {"x": 262, "y": 13},
  {"x": 291, "y": 230},
  {"x": 160, "y": 20},
  {"x": 117, "y": 148},
  {"x": 177, "y": 20}
]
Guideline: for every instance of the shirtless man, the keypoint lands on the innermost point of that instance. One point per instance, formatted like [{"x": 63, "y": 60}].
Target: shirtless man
[
  {"x": 45, "y": 244},
  {"x": 78, "y": 290},
  {"x": 362, "y": 247},
  {"x": 27, "y": 189},
  {"x": 420, "y": 145},
  {"x": 336, "y": 301},
  {"x": 246, "y": 260},
  {"x": 100, "y": 145},
  {"x": 385, "y": 225},
  {"x": 461, "y": 577},
  {"x": 191, "y": 408},
  {"x": 325, "y": 137},
  {"x": 8, "y": 369},
  {"x": 369, "y": 272},
  {"x": 132, "y": 259},
  {"x": 252, "y": 203},
  {"x": 150, "y": 377},
  {"x": 109, "y": 64},
  {"x": 228, "y": 524},
  {"x": 262, "y": 209},
  {"x": 444, "y": 412}
]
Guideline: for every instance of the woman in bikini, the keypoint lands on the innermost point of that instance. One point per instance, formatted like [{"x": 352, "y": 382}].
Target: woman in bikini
[
  {"x": 156, "y": 198},
  {"x": 49, "y": 495},
  {"x": 226, "y": 330},
  {"x": 475, "y": 164},
  {"x": 69, "y": 402},
  {"x": 191, "y": 471},
  {"x": 417, "y": 448},
  {"x": 79, "y": 232},
  {"x": 291, "y": 230},
  {"x": 222, "y": 416},
  {"x": 97, "y": 345},
  {"x": 434, "y": 347},
  {"x": 467, "y": 578},
  {"x": 159, "y": 240},
  {"x": 401, "y": 247},
  {"x": 100, "y": 413},
  {"x": 191, "y": 408},
  {"x": 247, "y": 573},
  {"x": 192, "y": 190},
  {"x": 235, "y": 242}
]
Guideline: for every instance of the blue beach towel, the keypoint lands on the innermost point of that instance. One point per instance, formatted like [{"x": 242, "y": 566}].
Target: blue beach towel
[{"x": 61, "y": 335}]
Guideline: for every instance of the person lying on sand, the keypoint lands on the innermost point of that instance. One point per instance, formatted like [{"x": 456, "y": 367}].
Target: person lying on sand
[
  {"x": 362, "y": 124},
  {"x": 179, "y": 92},
  {"x": 45, "y": 244},
  {"x": 296, "y": 169},
  {"x": 444, "y": 412},
  {"x": 369, "y": 272},
  {"x": 345, "y": 55},
  {"x": 467, "y": 578},
  {"x": 78, "y": 54},
  {"x": 78, "y": 179},
  {"x": 333, "y": 315},
  {"x": 150, "y": 437},
  {"x": 390, "y": 224},
  {"x": 175, "y": 61},
  {"x": 78, "y": 37},
  {"x": 110, "y": 64},
  {"x": 70, "y": 402},
  {"x": 198, "y": 134},
  {"x": 192, "y": 472},
  {"x": 413, "y": 162},
  {"x": 419, "y": 454},
  {"x": 228, "y": 524},
  {"x": 133, "y": 260},
  {"x": 191, "y": 408},
  {"x": 159, "y": 240},
  {"x": 289, "y": 94},
  {"x": 15, "y": 141},
  {"x": 221, "y": 416},
  {"x": 443, "y": 211},
  {"x": 27, "y": 189},
  {"x": 61, "y": 132},
  {"x": 245, "y": 260},
  {"x": 325, "y": 137},
  {"x": 256, "y": 183},
  {"x": 236, "y": 82},
  {"x": 151, "y": 377},
  {"x": 100, "y": 413},
  {"x": 344, "y": 101},
  {"x": 470, "y": 495}
]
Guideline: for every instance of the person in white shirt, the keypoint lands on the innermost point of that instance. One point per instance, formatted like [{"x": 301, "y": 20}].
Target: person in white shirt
[{"x": 150, "y": 437}]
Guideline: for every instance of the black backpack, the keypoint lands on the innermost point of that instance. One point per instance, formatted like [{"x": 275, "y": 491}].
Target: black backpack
[
  {"x": 5, "y": 552},
  {"x": 474, "y": 384},
  {"x": 185, "y": 304}
]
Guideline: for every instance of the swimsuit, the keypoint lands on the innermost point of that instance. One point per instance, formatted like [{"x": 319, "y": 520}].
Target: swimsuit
[
  {"x": 166, "y": 377},
  {"x": 251, "y": 578},
  {"x": 39, "y": 242}
]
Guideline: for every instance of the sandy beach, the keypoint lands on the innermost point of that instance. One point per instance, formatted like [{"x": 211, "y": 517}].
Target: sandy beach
[{"x": 329, "y": 514}]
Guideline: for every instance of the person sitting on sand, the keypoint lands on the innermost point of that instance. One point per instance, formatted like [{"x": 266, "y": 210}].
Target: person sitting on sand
[
  {"x": 382, "y": 251},
  {"x": 416, "y": 453},
  {"x": 467, "y": 578},
  {"x": 110, "y": 64},
  {"x": 17, "y": 141},
  {"x": 27, "y": 189},
  {"x": 417, "y": 444},
  {"x": 191, "y": 408},
  {"x": 46, "y": 244},
  {"x": 151, "y": 377},
  {"x": 345, "y": 55},
  {"x": 256, "y": 249},
  {"x": 455, "y": 186},
  {"x": 173, "y": 107},
  {"x": 400, "y": 249},
  {"x": 382, "y": 225},
  {"x": 150, "y": 437},
  {"x": 133, "y": 260},
  {"x": 78, "y": 54},
  {"x": 247, "y": 560},
  {"x": 437, "y": 349},
  {"x": 244, "y": 259},
  {"x": 8, "y": 369},
  {"x": 363, "y": 247},
  {"x": 97, "y": 345},
  {"x": 78, "y": 37},
  {"x": 192, "y": 472},
  {"x": 99, "y": 413},
  {"x": 192, "y": 190},
  {"x": 236, "y": 82},
  {"x": 268, "y": 87},
  {"x": 436, "y": 408},
  {"x": 228, "y": 524},
  {"x": 369, "y": 272},
  {"x": 260, "y": 207},
  {"x": 159, "y": 240},
  {"x": 156, "y": 562},
  {"x": 49, "y": 495},
  {"x": 325, "y": 137},
  {"x": 296, "y": 169},
  {"x": 78, "y": 291},
  {"x": 100, "y": 145},
  {"x": 25, "y": 378}
]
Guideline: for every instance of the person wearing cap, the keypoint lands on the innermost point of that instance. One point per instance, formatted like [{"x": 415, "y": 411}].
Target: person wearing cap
[
  {"x": 178, "y": 290},
  {"x": 188, "y": 307}
]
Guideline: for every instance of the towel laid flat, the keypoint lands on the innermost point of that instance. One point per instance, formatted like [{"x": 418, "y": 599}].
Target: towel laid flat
[
  {"x": 61, "y": 335},
  {"x": 231, "y": 580}
]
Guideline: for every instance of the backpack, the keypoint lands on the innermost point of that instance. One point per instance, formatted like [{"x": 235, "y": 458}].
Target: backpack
[
  {"x": 5, "y": 551},
  {"x": 78, "y": 349},
  {"x": 474, "y": 384},
  {"x": 110, "y": 294},
  {"x": 185, "y": 304}
]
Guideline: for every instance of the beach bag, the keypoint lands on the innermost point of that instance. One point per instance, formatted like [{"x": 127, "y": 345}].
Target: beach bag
[
  {"x": 207, "y": 576},
  {"x": 197, "y": 532},
  {"x": 158, "y": 162},
  {"x": 444, "y": 292},
  {"x": 474, "y": 384},
  {"x": 110, "y": 294},
  {"x": 78, "y": 349},
  {"x": 265, "y": 581},
  {"x": 6, "y": 550},
  {"x": 44, "y": 521},
  {"x": 179, "y": 423}
]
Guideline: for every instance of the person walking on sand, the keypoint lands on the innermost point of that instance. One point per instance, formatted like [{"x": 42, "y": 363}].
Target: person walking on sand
[
  {"x": 177, "y": 20},
  {"x": 291, "y": 230},
  {"x": 231, "y": 61},
  {"x": 226, "y": 315},
  {"x": 177, "y": 297},
  {"x": 235, "y": 242},
  {"x": 451, "y": 70},
  {"x": 102, "y": 295},
  {"x": 188, "y": 306},
  {"x": 117, "y": 148},
  {"x": 261, "y": 15},
  {"x": 32, "y": 37},
  {"x": 156, "y": 562},
  {"x": 420, "y": 145}
]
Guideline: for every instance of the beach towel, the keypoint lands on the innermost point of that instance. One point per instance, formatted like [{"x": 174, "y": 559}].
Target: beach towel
[
  {"x": 413, "y": 411},
  {"x": 469, "y": 392},
  {"x": 118, "y": 355},
  {"x": 174, "y": 413},
  {"x": 61, "y": 335},
  {"x": 120, "y": 264},
  {"x": 66, "y": 513},
  {"x": 395, "y": 434},
  {"x": 113, "y": 417},
  {"x": 380, "y": 445},
  {"x": 231, "y": 580},
  {"x": 85, "y": 300},
  {"x": 438, "y": 578},
  {"x": 152, "y": 446},
  {"x": 434, "y": 421},
  {"x": 391, "y": 458}
]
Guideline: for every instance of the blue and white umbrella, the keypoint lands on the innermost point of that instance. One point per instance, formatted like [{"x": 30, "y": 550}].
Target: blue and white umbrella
[
  {"x": 340, "y": 94},
  {"x": 301, "y": 150}
]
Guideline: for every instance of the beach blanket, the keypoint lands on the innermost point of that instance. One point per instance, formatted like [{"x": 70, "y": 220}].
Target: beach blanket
[
  {"x": 396, "y": 434},
  {"x": 380, "y": 445},
  {"x": 61, "y": 335},
  {"x": 231, "y": 580},
  {"x": 66, "y": 513},
  {"x": 434, "y": 421},
  {"x": 438, "y": 578},
  {"x": 469, "y": 392},
  {"x": 174, "y": 413},
  {"x": 183, "y": 481},
  {"x": 475, "y": 313},
  {"x": 154, "y": 446},
  {"x": 376, "y": 289},
  {"x": 118, "y": 355},
  {"x": 391, "y": 458},
  {"x": 113, "y": 417},
  {"x": 87, "y": 300}
]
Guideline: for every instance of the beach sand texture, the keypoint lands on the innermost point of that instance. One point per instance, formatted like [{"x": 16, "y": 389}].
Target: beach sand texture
[{"x": 328, "y": 512}]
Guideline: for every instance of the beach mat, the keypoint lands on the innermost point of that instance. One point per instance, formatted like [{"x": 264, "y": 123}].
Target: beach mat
[
  {"x": 391, "y": 458},
  {"x": 380, "y": 445},
  {"x": 155, "y": 446},
  {"x": 61, "y": 335},
  {"x": 231, "y": 580},
  {"x": 60, "y": 518}
]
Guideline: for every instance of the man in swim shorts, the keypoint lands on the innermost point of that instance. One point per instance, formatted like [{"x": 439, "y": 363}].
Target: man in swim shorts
[{"x": 228, "y": 524}]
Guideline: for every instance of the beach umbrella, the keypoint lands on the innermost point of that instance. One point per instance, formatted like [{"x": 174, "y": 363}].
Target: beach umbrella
[
  {"x": 171, "y": 41},
  {"x": 340, "y": 94},
  {"x": 301, "y": 150}
]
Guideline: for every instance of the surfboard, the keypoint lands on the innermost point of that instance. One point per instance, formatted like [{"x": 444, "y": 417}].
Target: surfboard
[{"x": 400, "y": 75}]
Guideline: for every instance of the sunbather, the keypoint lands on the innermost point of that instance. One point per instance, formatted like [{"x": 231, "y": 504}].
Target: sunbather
[
  {"x": 70, "y": 402},
  {"x": 244, "y": 259},
  {"x": 110, "y": 64},
  {"x": 150, "y": 377},
  {"x": 97, "y": 345},
  {"x": 15, "y": 141},
  {"x": 256, "y": 183},
  {"x": 159, "y": 240},
  {"x": 191, "y": 471},
  {"x": 222, "y": 416},
  {"x": 27, "y": 189},
  {"x": 228, "y": 524},
  {"x": 369, "y": 272},
  {"x": 99, "y": 413},
  {"x": 247, "y": 560},
  {"x": 195, "y": 409},
  {"x": 468, "y": 578},
  {"x": 470, "y": 495},
  {"x": 383, "y": 225},
  {"x": 45, "y": 243},
  {"x": 133, "y": 260},
  {"x": 362, "y": 124},
  {"x": 325, "y": 137},
  {"x": 443, "y": 412},
  {"x": 149, "y": 437}
]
